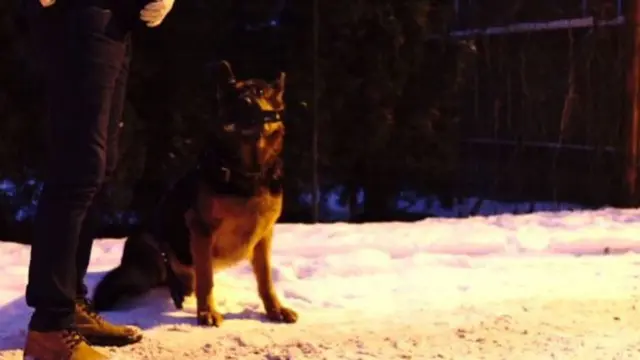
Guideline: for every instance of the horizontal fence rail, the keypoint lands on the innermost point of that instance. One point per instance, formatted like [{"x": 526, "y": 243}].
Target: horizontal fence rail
[
  {"x": 585, "y": 22},
  {"x": 539, "y": 144}
]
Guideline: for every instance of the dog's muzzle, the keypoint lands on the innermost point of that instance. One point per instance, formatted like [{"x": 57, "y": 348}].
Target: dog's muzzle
[{"x": 249, "y": 118}]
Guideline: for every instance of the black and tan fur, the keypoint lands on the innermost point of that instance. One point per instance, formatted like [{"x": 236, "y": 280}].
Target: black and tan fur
[{"x": 219, "y": 214}]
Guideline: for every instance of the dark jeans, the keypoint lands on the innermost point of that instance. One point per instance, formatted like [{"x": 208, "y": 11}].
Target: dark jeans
[{"x": 85, "y": 57}]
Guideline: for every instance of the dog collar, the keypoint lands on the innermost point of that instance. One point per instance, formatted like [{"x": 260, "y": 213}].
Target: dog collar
[
  {"x": 226, "y": 174},
  {"x": 264, "y": 118}
]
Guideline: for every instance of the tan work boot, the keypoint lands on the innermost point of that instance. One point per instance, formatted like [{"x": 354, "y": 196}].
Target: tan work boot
[
  {"x": 59, "y": 345},
  {"x": 99, "y": 331}
]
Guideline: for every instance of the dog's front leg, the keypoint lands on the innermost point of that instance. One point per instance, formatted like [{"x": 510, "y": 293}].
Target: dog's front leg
[
  {"x": 261, "y": 263},
  {"x": 201, "y": 243}
]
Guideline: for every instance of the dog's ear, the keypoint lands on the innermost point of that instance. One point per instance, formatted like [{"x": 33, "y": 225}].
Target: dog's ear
[
  {"x": 225, "y": 82},
  {"x": 225, "y": 77},
  {"x": 278, "y": 87},
  {"x": 280, "y": 83}
]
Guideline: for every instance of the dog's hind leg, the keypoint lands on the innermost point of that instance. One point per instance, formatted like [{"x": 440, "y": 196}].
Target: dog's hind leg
[
  {"x": 180, "y": 281},
  {"x": 140, "y": 270}
]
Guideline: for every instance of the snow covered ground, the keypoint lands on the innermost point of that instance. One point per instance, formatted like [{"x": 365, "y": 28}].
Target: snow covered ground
[{"x": 519, "y": 287}]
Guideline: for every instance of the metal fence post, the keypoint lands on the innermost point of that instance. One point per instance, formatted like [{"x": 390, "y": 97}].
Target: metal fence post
[
  {"x": 314, "y": 112},
  {"x": 633, "y": 101}
]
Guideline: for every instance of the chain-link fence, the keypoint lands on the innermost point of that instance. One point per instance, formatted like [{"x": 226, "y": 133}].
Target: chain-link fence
[{"x": 543, "y": 113}]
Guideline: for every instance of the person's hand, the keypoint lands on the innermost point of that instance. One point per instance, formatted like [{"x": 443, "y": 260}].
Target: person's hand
[
  {"x": 47, "y": 3},
  {"x": 154, "y": 12}
]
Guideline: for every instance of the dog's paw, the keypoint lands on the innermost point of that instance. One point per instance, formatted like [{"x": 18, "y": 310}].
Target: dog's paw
[
  {"x": 178, "y": 299},
  {"x": 176, "y": 290},
  {"x": 283, "y": 315},
  {"x": 210, "y": 318}
]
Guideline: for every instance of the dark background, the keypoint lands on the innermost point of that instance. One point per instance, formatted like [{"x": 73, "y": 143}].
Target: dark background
[{"x": 416, "y": 101}]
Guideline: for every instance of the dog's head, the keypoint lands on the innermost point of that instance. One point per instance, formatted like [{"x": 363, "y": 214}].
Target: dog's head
[{"x": 250, "y": 117}]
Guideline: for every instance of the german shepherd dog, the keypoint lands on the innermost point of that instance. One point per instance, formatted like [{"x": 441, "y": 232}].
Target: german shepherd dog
[{"x": 220, "y": 213}]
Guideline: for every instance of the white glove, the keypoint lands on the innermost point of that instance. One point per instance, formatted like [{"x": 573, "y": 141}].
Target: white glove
[
  {"x": 154, "y": 12},
  {"x": 47, "y": 3}
]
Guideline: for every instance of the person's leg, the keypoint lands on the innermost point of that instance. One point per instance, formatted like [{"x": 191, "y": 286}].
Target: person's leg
[
  {"x": 93, "y": 217},
  {"x": 82, "y": 50},
  {"x": 88, "y": 230},
  {"x": 92, "y": 326}
]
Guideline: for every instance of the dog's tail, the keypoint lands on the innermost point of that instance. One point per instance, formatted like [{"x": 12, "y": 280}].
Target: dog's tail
[{"x": 141, "y": 269}]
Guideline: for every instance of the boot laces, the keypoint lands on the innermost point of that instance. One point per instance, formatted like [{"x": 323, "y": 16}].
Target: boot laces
[
  {"x": 72, "y": 338},
  {"x": 87, "y": 307}
]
